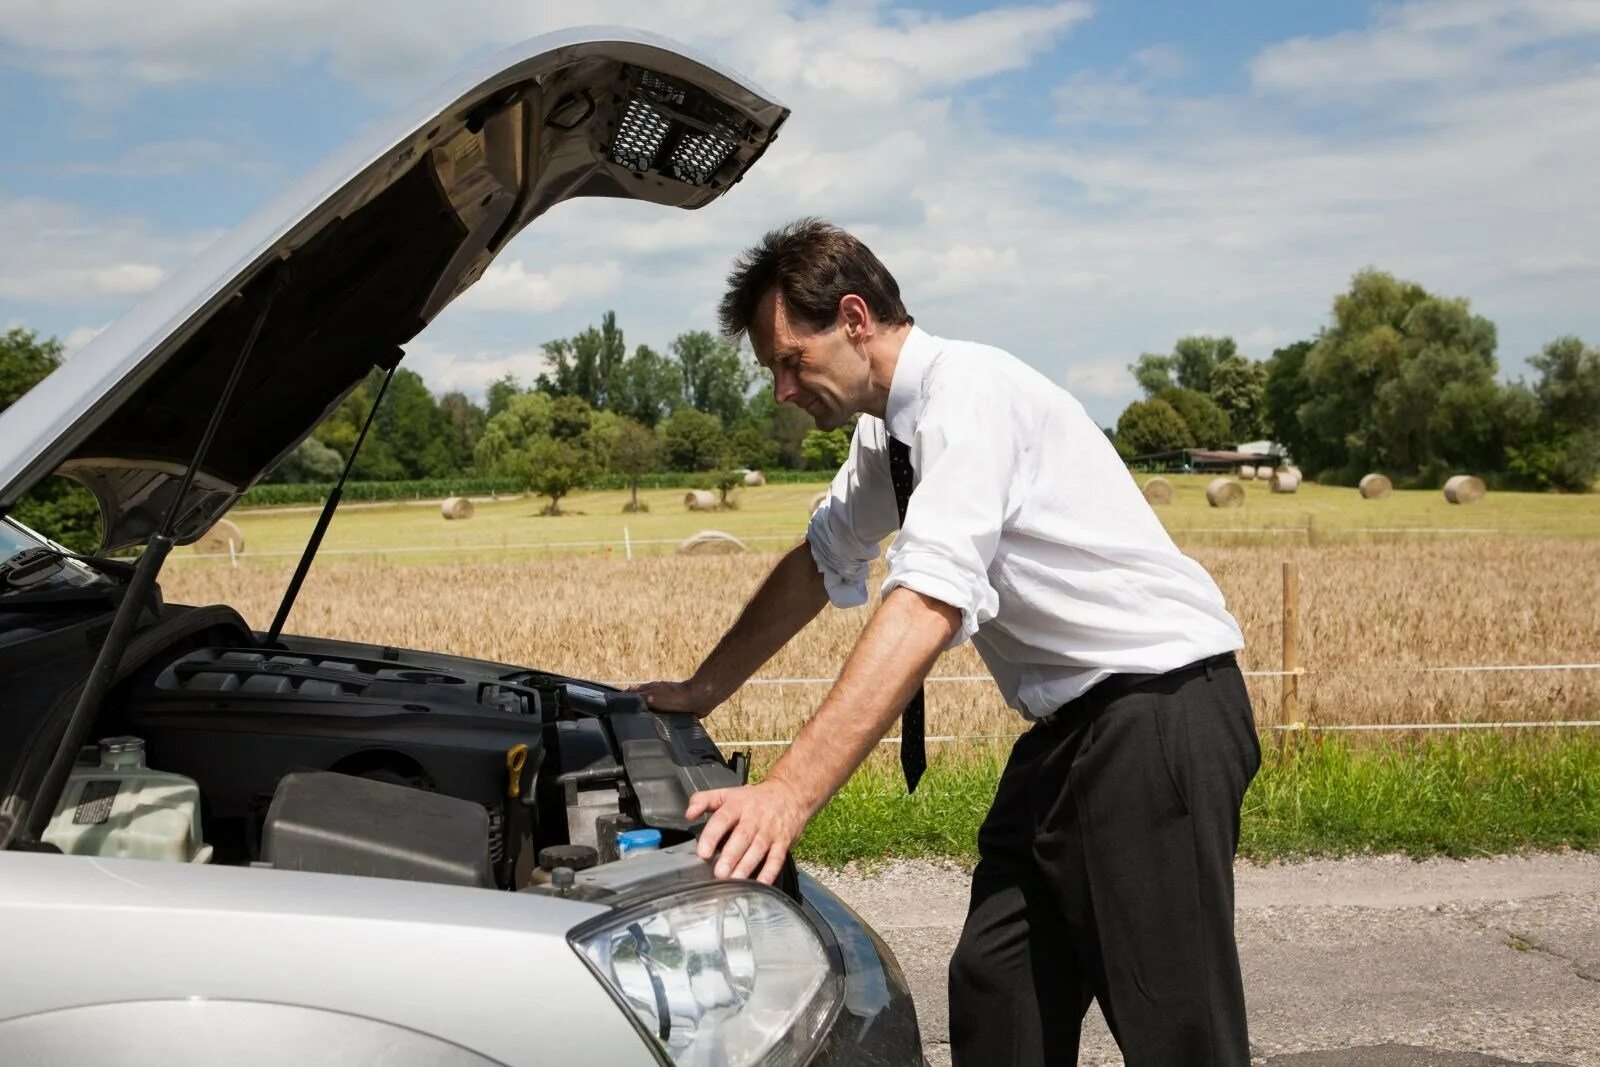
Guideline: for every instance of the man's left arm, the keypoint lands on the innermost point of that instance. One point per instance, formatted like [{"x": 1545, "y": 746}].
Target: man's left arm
[{"x": 756, "y": 825}]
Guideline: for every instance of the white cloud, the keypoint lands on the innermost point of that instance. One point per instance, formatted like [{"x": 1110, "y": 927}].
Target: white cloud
[
  {"x": 59, "y": 254},
  {"x": 155, "y": 159},
  {"x": 78, "y": 337},
  {"x": 1100, "y": 378},
  {"x": 1463, "y": 139},
  {"x": 446, "y": 369},
  {"x": 512, "y": 287}
]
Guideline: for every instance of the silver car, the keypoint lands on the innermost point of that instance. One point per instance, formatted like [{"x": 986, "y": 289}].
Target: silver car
[{"x": 221, "y": 845}]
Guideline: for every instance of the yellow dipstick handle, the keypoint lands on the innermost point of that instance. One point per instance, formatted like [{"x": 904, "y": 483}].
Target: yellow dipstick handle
[{"x": 516, "y": 759}]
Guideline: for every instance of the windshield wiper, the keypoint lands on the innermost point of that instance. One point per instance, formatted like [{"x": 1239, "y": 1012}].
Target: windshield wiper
[{"x": 33, "y": 565}]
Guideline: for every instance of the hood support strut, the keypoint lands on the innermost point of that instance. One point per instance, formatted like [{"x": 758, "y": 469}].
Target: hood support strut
[
  {"x": 104, "y": 672},
  {"x": 326, "y": 517}
]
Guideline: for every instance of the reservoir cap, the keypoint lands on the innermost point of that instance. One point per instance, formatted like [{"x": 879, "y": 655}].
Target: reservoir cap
[{"x": 638, "y": 841}]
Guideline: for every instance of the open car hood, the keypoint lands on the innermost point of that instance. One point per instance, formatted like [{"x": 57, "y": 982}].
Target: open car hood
[{"x": 362, "y": 254}]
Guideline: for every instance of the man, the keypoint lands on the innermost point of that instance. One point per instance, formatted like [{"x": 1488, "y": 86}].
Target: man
[{"x": 1106, "y": 862}]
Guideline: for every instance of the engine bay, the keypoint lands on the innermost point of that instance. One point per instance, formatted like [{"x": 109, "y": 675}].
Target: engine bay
[{"x": 370, "y": 760}]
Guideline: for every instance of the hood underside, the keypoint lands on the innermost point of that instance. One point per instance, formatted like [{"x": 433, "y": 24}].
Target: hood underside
[{"x": 356, "y": 259}]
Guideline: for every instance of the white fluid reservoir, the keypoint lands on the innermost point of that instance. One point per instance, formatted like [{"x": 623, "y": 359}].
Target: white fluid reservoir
[{"x": 121, "y": 809}]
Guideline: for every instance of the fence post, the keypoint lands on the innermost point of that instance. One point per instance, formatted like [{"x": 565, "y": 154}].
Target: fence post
[
  {"x": 1289, "y": 702},
  {"x": 627, "y": 543}
]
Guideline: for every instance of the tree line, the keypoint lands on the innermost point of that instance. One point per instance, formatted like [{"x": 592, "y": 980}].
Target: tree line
[
  {"x": 596, "y": 409},
  {"x": 1401, "y": 381}
]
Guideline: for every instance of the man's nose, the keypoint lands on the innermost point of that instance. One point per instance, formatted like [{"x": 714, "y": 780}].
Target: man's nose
[{"x": 785, "y": 385}]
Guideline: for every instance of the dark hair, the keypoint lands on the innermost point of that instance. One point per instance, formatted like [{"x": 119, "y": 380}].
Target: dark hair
[{"x": 813, "y": 264}]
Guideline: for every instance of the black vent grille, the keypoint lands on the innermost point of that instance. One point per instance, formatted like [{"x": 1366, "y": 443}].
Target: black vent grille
[
  {"x": 697, "y": 157},
  {"x": 656, "y": 87},
  {"x": 639, "y": 136}
]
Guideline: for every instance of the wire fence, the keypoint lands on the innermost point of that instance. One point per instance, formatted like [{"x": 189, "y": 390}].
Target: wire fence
[{"x": 1288, "y": 728}]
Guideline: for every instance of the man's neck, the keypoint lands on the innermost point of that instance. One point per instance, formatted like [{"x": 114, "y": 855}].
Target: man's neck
[{"x": 883, "y": 355}]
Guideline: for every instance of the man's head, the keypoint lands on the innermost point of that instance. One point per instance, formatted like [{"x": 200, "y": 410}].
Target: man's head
[{"x": 822, "y": 313}]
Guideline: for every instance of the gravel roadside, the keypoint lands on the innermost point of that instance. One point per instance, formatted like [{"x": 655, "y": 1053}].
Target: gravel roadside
[{"x": 1380, "y": 961}]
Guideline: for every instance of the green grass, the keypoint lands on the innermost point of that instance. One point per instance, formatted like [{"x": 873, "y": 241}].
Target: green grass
[
  {"x": 1337, "y": 512},
  {"x": 1434, "y": 797},
  {"x": 775, "y": 514}
]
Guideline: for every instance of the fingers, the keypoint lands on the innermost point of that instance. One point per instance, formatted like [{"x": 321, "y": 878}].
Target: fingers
[
  {"x": 710, "y": 837},
  {"x": 739, "y": 841},
  {"x": 758, "y": 851},
  {"x": 773, "y": 867},
  {"x": 702, "y": 802}
]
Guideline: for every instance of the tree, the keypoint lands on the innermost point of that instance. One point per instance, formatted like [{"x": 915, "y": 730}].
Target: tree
[
  {"x": 1208, "y": 426},
  {"x": 635, "y": 452},
  {"x": 1285, "y": 390},
  {"x": 749, "y": 447},
  {"x": 1553, "y": 429},
  {"x": 1195, "y": 358},
  {"x": 311, "y": 461},
  {"x": 1153, "y": 372},
  {"x": 724, "y": 482},
  {"x": 826, "y": 449},
  {"x": 1402, "y": 381},
  {"x": 716, "y": 377},
  {"x": 413, "y": 429},
  {"x": 25, "y": 361},
  {"x": 526, "y": 417},
  {"x": 692, "y": 441},
  {"x": 1148, "y": 426},
  {"x": 585, "y": 366},
  {"x": 785, "y": 425},
  {"x": 466, "y": 421},
  {"x": 1238, "y": 387},
  {"x": 57, "y": 507},
  {"x": 647, "y": 387},
  {"x": 553, "y": 467},
  {"x": 500, "y": 392}
]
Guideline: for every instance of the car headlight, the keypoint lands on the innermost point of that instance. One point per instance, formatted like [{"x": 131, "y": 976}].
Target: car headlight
[{"x": 719, "y": 976}]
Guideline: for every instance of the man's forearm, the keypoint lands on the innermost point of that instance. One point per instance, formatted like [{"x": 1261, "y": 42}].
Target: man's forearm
[
  {"x": 892, "y": 656},
  {"x": 791, "y": 596}
]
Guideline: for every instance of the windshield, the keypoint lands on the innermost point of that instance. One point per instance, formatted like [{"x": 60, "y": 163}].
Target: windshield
[{"x": 15, "y": 538}]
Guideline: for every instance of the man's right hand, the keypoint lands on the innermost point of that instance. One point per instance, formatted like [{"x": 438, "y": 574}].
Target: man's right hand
[{"x": 688, "y": 697}]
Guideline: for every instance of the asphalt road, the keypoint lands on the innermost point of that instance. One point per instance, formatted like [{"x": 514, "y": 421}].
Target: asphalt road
[{"x": 1374, "y": 962}]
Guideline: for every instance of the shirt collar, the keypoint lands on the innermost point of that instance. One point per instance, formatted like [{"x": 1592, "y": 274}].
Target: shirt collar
[{"x": 904, "y": 407}]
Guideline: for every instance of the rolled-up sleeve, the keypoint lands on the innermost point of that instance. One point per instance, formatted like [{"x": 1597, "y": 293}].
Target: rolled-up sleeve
[
  {"x": 965, "y": 453},
  {"x": 857, "y": 514}
]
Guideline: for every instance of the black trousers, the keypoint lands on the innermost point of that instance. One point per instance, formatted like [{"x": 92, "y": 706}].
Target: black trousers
[{"x": 1106, "y": 871}]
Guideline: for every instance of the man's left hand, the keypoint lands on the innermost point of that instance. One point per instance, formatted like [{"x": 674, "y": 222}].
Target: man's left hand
[{"x": 759, "y": 823}]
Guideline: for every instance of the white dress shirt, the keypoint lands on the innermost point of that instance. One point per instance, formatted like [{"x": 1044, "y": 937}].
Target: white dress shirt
[{"x": 1026, "y": 520}]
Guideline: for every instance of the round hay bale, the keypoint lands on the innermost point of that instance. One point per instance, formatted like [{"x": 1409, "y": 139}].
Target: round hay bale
[
  {"x": 1285, "y": 481},
  {"x": 214, "y": 542},
  {"x": 1375, "y": 487},
  {"x": 816, "y": 502},
  {"x": 700, "y": 500},
  {"x": 1263, "y": 474},
  {"x": 754, "y": 478},
  {"x": 1224, "y": 493},
  {"x": 1158, "y": 491},
  {"x": 457, "y": 507},
  {"x": 1247, "y": 472},
  {"x": 712, "y": 543},
  {"x": 1464, "y": 489}
]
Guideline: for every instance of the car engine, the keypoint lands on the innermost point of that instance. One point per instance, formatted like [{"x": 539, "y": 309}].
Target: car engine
[{"x": 357, "y": 759}]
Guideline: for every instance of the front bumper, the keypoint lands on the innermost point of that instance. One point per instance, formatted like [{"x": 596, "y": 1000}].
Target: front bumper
[{"x": 878, "y": 1023}]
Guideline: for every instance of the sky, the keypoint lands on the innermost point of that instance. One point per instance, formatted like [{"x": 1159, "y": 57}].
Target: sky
[{"x": 1077, "y": 182}]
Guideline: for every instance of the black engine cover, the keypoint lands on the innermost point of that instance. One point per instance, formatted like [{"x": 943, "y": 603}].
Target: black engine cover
[{"x": 237, "y": 719}]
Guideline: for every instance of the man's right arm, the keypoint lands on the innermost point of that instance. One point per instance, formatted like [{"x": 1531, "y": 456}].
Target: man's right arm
[{"x": 791, "y": 596}]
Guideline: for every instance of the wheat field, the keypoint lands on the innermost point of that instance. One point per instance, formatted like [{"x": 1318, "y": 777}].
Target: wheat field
[{"x": 1369, "y": 611}]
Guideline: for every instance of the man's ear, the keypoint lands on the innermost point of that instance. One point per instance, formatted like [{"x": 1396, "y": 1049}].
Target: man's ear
[{"x": 855, "y": 317}]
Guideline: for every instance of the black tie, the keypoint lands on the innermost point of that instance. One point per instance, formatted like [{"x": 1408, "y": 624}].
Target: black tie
[{"x": 913, "y": 744}]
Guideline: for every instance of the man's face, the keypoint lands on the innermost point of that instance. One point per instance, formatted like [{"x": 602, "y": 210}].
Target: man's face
[{"x": 820, "y": 371}]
